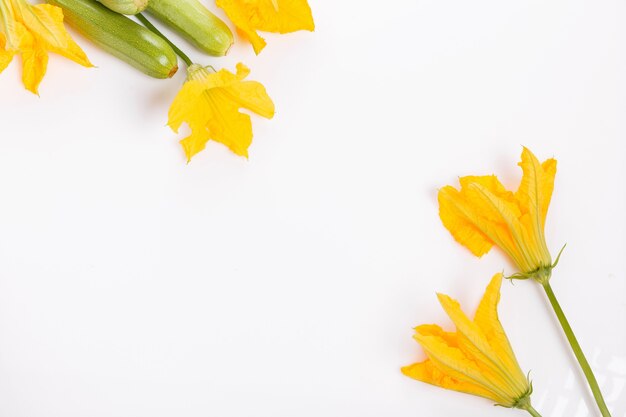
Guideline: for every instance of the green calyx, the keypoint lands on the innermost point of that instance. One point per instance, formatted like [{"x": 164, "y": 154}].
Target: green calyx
[
  {"x": 523, "y": 402},
  {"x": 198, "y": 72},
  {"x": 542, "y": 274}
]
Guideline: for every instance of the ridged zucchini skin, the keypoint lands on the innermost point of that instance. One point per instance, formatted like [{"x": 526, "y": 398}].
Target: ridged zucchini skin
[
  {"x": 195, "y": 22},
  {"x": 120, "y": 36},
  {"x": 126, "y": 6}
]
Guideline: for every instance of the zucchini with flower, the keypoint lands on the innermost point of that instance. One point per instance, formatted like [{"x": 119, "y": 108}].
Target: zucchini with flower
[{"x": 209, "y": 104}]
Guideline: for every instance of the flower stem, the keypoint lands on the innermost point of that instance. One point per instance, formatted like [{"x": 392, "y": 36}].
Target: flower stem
[
  {"x": 580, "y": 356},
  {"x": 152, "y": 28},
  {"x": 532, "y": 411}
]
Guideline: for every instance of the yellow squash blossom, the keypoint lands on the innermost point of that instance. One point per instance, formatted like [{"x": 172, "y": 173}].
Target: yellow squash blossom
[
  {"x": 209, "y": 103},
  {"x": 477, "y": 359},
  {"x": 483, "y": 213},
  {"x": 278, "y": 16},
  {"x": 33, "y": 31}
]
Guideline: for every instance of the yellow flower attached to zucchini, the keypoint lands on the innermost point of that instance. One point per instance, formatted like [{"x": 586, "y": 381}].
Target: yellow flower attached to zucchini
[
  {"x": 477, "y": 359},
  {"x": 483, "y": 213},
  {"x": 32, "y": 31},
  {"x": 209, "y": 104},
  {"x": 278, "y": 16}
]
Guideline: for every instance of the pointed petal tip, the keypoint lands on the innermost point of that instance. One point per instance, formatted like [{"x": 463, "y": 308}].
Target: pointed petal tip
[
  {"x": 443, "y": 298},
  {"x": 497, "y": 277}
]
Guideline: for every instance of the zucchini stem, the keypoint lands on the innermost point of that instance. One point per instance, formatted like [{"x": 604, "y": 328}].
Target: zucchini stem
[
  {"x": 578, "y": 352},
  {"x": 152, "y": 28}
]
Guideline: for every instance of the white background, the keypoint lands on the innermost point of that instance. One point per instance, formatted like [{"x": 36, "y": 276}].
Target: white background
[{"x": 133, "y": 284}]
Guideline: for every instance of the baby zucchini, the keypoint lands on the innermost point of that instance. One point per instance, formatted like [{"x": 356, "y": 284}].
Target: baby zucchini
[
  {"x": 126, "y": 6},
  {"x": 195, "y": 22},
  {"x": 120, "y": 36}
]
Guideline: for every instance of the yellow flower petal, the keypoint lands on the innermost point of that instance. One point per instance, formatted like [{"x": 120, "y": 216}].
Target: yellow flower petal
[
  {"x": 8, "y": 25},
  {"x": 58, "y": 40},
  {"x": 189, "y": 96},
  {"x": 250, "y": 95},
  {"x": 483, "y": 213},
  {"x": 534, "y": 194},
  {"x": 427, "y": 372},
  {"x": 486, "y": 318},
  {"x": 209, "y": 104},
  {"x": 278, "y": 16},
  {"x": 35, "y": 62},
  {"x": 227, "y": 125},
  {"x": 5, "y": 56},
  {"x": 485, "y": 209},
  {"x": 33, "y": 31},
  {"x": 239, "y": 13},
  {"x": 477, "y": 358},
  {"x": 475, "y": 345},
  {"x": 461, "y": 222},
  {"x": 284, "y": 16}
]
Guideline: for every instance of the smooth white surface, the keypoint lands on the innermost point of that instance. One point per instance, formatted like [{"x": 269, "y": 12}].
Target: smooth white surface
[{"x": 132, "y": 284}]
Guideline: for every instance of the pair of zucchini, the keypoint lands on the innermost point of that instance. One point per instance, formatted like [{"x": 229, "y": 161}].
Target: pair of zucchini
[{"x": 137, "y": 45}]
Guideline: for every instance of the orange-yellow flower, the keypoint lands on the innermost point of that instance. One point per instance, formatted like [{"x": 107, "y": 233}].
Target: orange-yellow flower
[
  {"x": 33, "y": 31},
  {"x": 477, "y": 359},
  {"x": 483, "y": 213},
  {"x": 278, "y": 16},
  {"x": 209, "y": 103}
]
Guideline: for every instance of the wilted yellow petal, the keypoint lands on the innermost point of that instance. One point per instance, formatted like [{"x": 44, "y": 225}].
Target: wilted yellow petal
[
  {"x": 284, "y": 16},
  {"x": 239, "y": 13},
  {"x": 189, "y": 96},
  {"x": 229, "y": 126},
  {"x": 195, "y": 142},
  {"x": 5, "y": 56},
  {"x": 35, "y": 62},
  {"x": 59, "y": 41},
  {"x": 33, "y": 31},
  {"x": 279, "y": 16},
  {"x": 209, "y": 104},
  {"x": 8, "y": 25}
]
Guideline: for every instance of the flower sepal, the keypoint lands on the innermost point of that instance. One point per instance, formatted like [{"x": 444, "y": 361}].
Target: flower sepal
[
  {"x": 523, "y": 402},
  {"x": 198, "y": 72},
  {"x": 542, "y": 274}
]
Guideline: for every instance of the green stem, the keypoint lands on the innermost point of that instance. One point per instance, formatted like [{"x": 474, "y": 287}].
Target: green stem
[
  {"x": 532, "y": 411},
  {"x": 152, "y": 28},
  {"x": 580, "y": 356}
]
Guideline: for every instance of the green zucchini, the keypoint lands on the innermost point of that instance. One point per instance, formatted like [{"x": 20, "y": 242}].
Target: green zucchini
[
  {"x": 126, "y": 6},
  {"x": 120, "y": 36},
  {"x": 195, "y": 22}
]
